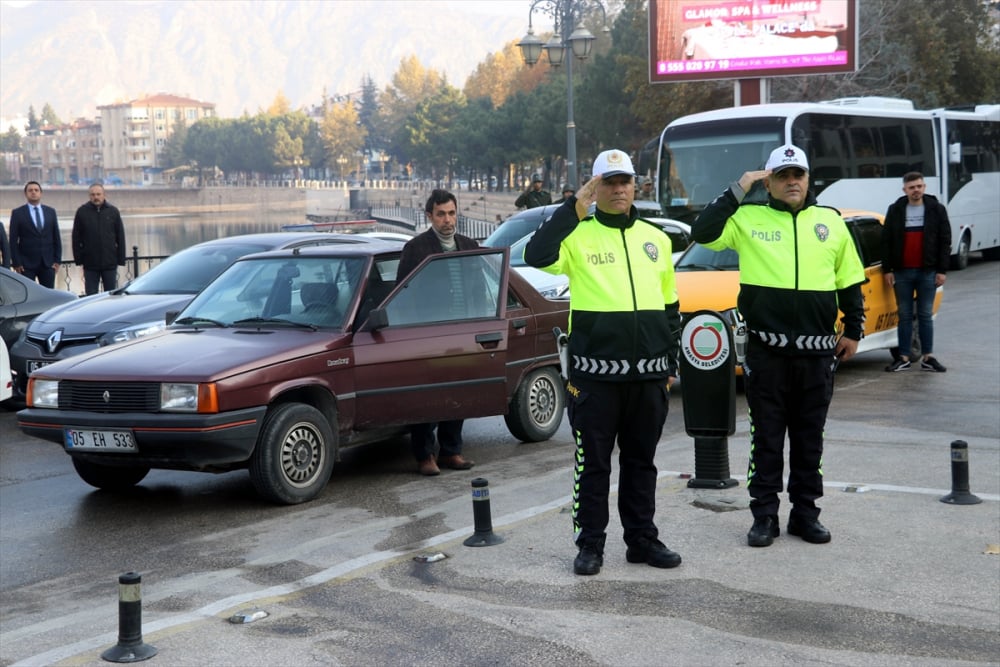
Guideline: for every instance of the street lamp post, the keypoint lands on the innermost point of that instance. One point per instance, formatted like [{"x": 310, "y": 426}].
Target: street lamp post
[{"x": 568, "y": 36}]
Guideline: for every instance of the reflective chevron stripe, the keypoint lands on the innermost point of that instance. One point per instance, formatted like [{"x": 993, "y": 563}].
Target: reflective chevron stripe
[
  {"x": 801, "y": 343},
  {"x": 618, "y": 366}
]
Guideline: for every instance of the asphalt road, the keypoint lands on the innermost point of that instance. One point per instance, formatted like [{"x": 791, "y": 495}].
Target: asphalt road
[{"x": 907, "y": 580}]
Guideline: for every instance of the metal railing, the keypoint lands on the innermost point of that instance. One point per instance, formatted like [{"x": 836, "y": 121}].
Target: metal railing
[{"x": 127, "y": 273}]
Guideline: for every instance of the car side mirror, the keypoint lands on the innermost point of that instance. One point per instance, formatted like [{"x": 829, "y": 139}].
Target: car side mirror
[
  {"x": 377, "y": 319},
  {"x": 171, "y": 315}
]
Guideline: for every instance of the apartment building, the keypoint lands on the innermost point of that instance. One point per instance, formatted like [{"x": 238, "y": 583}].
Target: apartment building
[
  {"x": 70, "y": 153},
  {"x": 135, "y": 133}
]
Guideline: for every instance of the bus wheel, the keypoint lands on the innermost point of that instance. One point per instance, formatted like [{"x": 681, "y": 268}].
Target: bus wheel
[{"x": 960, "y": 260}]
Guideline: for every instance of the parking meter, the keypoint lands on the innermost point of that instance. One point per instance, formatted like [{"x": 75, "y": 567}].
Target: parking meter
[{"x": 708, "y": 380}]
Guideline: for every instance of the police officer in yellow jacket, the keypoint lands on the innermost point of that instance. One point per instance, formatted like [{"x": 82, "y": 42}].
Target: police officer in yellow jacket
[
  {"x": 623, "y": 343},
  {"x": 798, "y": 265}
]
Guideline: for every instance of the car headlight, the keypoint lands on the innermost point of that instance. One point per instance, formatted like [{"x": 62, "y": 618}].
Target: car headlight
[
  {"x": 177, "y": 397},
  {"x": 43, "y": 393},
  {"x": 132, "y": 332},
  {"x": 188, "y": 397}
]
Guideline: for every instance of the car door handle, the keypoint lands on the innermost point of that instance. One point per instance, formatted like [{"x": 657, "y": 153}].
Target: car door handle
[
  {"x": 519, "y": 323},
  {"x": 489, "y": 340}
]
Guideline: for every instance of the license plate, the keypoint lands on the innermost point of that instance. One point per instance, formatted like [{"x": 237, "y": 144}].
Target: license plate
[
  {"x": 99, "y": 441},
  {"x": 35, "y": 365}
]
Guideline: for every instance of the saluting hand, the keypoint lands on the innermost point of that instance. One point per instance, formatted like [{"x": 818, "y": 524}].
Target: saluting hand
[
  {"x": 586, "y": 196},
  {"x": 750, "y": 177}
]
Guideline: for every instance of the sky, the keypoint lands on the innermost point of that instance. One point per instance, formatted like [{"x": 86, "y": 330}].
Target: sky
[{"x": 74, "y": 72}]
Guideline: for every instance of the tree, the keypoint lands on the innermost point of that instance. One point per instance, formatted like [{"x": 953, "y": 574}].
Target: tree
[
  {"x": 342, "y": 133},
  {"x": 33, "y": 123},
  {"x": 411, "y": 84},
  {"x": 49, "y": 116},
  {"x": 429, "y": 134},
  {"x": 279, "y": 106},
  {"x": 10, "y": 142},
  {"x": 368, "y": 115},
  {"x": 172, "y": 154},
  {"x": 498, "y": 76}
]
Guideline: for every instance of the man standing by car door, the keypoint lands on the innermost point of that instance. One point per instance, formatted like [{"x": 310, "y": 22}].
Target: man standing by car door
[
  {"x": 35, "y": 243},
  {"x": 98, "y": 241},
  {"x": 623, "y": 342},
  {"x": 916, "y": 249},
  {"x": 441, "y": 211}
]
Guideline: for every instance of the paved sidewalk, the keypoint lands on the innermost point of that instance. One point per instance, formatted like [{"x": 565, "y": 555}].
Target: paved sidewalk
[{"x": 907, "y": 579}]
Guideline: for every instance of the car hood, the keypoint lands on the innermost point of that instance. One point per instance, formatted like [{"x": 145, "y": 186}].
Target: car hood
[
  {"x": 197, "y": 355},
  {"x": 707, "y": 290},
  {"x": 106, "y": 312}
]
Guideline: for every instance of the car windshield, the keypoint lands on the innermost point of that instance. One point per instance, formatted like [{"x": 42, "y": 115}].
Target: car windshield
[
  {"x": 279, "y": 291},
  {"x": 188, "y": 271},
  {"x": 700, "y": 258},
  {"x": 517, "y": 226}
]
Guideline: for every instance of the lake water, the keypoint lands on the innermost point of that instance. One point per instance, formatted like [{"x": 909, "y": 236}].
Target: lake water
[{"x": 160, "y": 234}]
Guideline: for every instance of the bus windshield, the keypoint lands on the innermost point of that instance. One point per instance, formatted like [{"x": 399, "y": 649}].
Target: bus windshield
[{"x": 699, "y": 160}]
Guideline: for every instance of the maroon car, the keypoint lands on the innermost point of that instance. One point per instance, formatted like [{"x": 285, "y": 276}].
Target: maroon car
[{"x": 291, "y": 355}]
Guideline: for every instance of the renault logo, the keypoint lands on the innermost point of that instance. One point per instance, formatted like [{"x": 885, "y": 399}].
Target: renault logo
[
  {"x": 52, "y": 342},
  {"x": 106, "y": 396}
]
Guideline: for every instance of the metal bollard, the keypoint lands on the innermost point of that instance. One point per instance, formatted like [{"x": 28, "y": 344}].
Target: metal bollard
[
  {"x": 960, "y": 494},
  {"x": 484, "y": 536},
  {"x": 130, "y": 647}
]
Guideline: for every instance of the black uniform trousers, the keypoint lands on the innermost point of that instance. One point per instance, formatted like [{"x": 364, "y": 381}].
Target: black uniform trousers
[
  {"x": 633, "y": 413},
  {"x": 786, "y": 393}
]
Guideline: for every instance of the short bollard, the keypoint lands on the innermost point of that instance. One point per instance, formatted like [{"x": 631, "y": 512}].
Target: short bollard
[
  {"x": 484, "y": 536},
  {"x": 130, "y": 647},
  {"x": 960, "y": 494}
]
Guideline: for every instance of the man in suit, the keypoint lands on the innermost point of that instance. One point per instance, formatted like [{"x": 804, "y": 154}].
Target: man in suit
[
  {"x": 35, "y": 244},
  {"x": 441, "y": 210}
]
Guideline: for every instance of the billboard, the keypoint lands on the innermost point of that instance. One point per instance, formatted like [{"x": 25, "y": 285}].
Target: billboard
[{"x": 697, "y": 40}]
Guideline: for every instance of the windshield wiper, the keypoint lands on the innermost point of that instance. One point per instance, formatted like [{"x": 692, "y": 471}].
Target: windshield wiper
[
  {"x": 702, "y": 267},
  {"x": 275, "y": 320},
  {"x": 198, "y": 320}
]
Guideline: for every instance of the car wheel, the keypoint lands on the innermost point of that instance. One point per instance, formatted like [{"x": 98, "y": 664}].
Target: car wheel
[
  {"x": 293, "y": 459},
  {"x": 109, "y": 478},
  {"x": 536, "y": 410},
  {"x": 960, "y": 260}
]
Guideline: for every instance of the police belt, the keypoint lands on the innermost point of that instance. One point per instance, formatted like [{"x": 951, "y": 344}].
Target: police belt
[
  {"x": 618, "y": 366},
  {"x": 799, "y": 342}
]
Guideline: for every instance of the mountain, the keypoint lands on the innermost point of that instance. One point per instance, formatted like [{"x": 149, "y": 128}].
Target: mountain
[{"x": 237, "y": 54}]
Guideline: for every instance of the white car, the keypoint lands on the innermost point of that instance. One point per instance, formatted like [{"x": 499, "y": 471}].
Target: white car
[{"x": 6, "y": 381}]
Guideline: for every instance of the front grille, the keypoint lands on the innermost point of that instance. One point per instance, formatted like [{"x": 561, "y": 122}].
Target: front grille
[{"x": 109, "y": 396}]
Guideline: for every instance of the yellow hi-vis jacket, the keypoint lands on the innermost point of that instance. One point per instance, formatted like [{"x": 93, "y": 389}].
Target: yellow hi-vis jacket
[
  {"x": 796, "y": 269},
  {"x": 624, "y": 312}
]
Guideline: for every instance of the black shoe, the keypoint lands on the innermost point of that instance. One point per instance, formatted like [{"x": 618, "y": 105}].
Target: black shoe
[
  {"x": 763, "y": 531},
  {"x": 588, "y": 561},
  {"x": 652, "y": 552},
  {"x": 810, "y": 530}
]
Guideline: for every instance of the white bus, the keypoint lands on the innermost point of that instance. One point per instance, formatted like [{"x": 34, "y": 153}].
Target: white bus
[{"x": 858, "y": 148}]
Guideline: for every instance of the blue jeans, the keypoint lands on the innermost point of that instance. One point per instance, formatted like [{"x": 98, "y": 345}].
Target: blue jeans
[{"x": 920, "y": 281}]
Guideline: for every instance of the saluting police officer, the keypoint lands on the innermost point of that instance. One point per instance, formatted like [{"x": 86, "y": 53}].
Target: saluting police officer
[
  {"x": 624, "y": 335},
  {"x": 798, "y": 264}
]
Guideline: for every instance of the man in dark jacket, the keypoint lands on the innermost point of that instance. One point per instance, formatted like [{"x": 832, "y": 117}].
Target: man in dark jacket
[
  {"x": 441, "y": 210},
  {"x": 534, "y": 196},
  {"x": 916, "y": 249},
  {"x": 98, "y": 241},
  {"x": 35, "y": 243}
]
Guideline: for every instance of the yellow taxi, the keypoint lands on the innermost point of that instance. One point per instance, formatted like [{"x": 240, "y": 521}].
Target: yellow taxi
[{"x": 710, "y": 280}]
